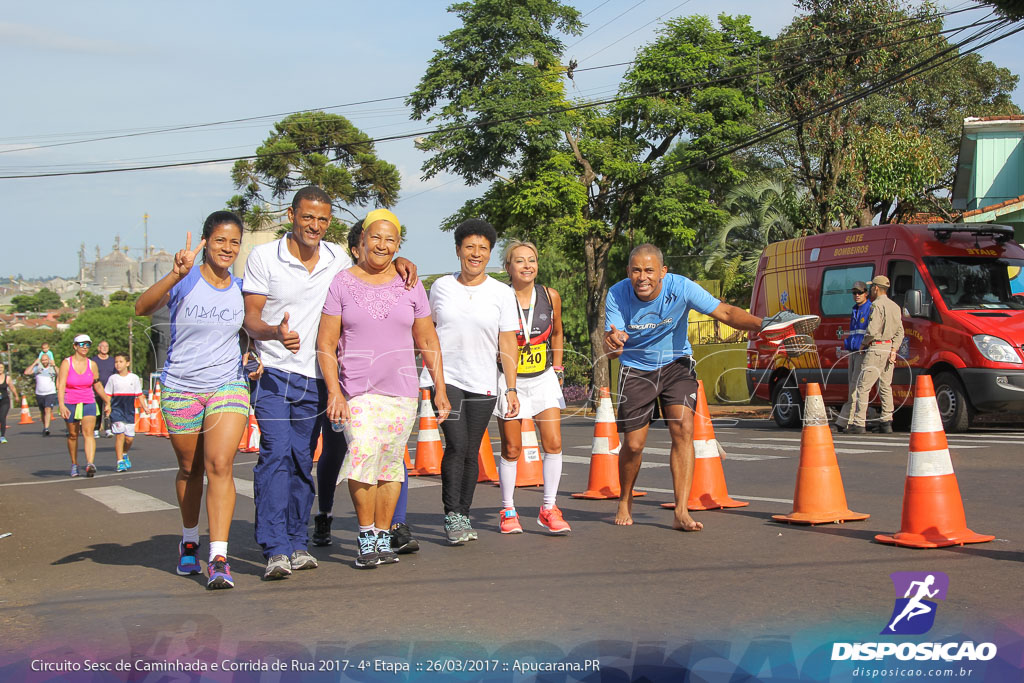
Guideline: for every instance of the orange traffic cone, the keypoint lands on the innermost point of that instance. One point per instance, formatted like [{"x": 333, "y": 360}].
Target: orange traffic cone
[
  {"x": 488, "y": 470},
  {"x": 159, "y": 427},
  {"x": 603, "y": 482},
  {"x": 708, "y": 490},
  {"x": 529, "y": 467},
  {"x": 933, "y": 511},
  {"x": 428, "y": 440},
  {"x": 135, "y": 422},
  {"x": 250, "y": 441},
  {"x": 819, "y": 496},
  {"x": 142, "y": 425},
  {"x": 319, "y": 447},
  {"x": 26, "y": 416},
  {"x": 605, "y": 426},
  {"x": 408, "y": 462}
]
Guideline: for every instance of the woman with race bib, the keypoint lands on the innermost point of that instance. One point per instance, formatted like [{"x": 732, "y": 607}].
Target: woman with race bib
[{"x": 539, "y": 388}]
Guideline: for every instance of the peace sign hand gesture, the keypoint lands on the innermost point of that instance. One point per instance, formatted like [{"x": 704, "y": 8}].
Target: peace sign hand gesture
[{"x": 186, "y": 258}]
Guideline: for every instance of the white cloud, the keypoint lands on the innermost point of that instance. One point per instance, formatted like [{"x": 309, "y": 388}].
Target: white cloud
[{"x": 40, "y": 38}]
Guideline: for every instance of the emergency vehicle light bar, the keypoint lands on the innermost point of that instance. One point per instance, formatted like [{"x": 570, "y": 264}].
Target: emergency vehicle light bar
[{"x": 1001, "y": 233}]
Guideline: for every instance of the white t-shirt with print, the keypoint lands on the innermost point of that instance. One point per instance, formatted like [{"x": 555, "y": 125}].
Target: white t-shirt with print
[
  {"x": 271, "y": 270},
  {"x": 468, "y": 320}
]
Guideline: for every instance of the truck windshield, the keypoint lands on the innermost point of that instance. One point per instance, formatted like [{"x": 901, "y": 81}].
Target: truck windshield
[{"x": 976, "y": 282}]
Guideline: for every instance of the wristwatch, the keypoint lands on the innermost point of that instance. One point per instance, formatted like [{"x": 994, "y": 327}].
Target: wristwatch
[{"x": 511, "y": 389}]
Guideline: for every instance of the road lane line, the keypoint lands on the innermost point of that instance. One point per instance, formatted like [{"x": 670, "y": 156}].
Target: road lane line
[
  {"x": 125, "y": 501},
  {"x": 734, "y": 495},
  {"x": 244, "y": 487},
  {"x": 124, "y": 476}
]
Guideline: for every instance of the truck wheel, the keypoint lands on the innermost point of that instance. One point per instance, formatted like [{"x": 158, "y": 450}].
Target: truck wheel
[
  {"x": 786, "y": 403},
  {"x": 954, "y": 409}
]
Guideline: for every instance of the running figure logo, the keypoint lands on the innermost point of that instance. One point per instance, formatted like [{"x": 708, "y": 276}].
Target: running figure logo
[{"x": 914, "y": 613}]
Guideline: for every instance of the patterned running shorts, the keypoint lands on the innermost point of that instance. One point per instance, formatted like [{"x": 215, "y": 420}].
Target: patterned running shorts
[{"x": 184, "y": 411}]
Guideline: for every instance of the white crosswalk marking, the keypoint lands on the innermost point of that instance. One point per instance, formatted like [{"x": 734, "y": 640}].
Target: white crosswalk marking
[
  {"x": 244, "y": 487},
  {"x": 731, "y": 494},
  {"x": 585, "y": 460},
  {"x": 653, "y": 450},
  {"x": 125, "y": 501}
]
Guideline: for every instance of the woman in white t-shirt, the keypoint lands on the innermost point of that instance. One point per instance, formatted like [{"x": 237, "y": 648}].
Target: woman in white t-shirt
[{"x": 476, "y": 320}]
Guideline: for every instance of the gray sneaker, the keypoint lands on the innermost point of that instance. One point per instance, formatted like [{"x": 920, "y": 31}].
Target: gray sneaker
[
  {"x": 367, "y": 557},
  {"x": 301, "y": 559},
  {"x": 468, "y": 530},
  {"x": 278, "y": 567},
  {"x": 453, "y": 528},
  {"x": 385, "y": 555}
]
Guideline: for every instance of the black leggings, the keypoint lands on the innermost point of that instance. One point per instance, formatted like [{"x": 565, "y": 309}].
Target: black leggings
[
  {"x": 328, "y": 467},
  {"x": 5, "y": 407},
  {"x": 463, "y": 431}
]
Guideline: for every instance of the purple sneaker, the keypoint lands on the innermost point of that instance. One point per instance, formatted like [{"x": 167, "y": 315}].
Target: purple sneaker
[
  {"x": 188, "y": 561},
  {"x": 220, "y": 574}
]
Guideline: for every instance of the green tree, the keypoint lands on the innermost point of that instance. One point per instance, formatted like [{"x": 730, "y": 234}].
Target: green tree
[
  {"x": 761, "y": 211},
  {"x": 591, "y": 180},
  {"x": 43, "y": 300},
  {"x": 111, "y": 323},
  {"x": 314, "y": 148},
  {"x": 835, "y": 48},
  {"x": 122, "y": 296},
  {"x": 86, "y": 300}
]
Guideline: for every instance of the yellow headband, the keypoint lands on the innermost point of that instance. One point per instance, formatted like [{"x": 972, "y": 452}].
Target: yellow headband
[{"x": 381, "y": 215}]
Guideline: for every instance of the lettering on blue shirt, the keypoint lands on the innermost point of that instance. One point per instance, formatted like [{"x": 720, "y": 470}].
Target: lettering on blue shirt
[
  {"x": 203, "y": 354},
  {"x": 657, "y": 329}
]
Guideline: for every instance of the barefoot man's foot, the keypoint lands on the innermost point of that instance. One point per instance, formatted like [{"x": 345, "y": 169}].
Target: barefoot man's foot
[
  {"x": 687, "y": 523},
  {"x": 623, "y": 516}
]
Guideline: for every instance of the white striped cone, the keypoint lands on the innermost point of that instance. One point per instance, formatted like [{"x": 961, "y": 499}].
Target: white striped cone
[{"x": 933, "y": 511}]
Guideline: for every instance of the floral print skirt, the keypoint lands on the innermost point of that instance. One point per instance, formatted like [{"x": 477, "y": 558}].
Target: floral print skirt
[{"x": 377, "y": 434}]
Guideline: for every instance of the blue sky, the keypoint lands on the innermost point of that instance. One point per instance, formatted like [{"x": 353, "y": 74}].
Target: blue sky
[{"x": 76, "y": 71}]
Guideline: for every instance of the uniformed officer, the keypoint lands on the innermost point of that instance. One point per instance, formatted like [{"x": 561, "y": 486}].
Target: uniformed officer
[
  {"x": 881, "y": 342},
  {"x": 852, "y": 344}
]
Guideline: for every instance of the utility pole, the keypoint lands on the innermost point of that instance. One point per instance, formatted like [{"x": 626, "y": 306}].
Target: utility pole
[
  {"x": 145, "y": 236},
  {"x": 131, "y": 338}
]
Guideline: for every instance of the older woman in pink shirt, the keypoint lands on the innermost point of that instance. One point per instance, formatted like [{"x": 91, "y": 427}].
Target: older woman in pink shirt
[{"x": 370, "y": 331}]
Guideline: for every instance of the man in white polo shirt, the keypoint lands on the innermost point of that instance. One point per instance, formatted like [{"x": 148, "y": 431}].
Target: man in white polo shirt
[{"x": 285, "y": 286}]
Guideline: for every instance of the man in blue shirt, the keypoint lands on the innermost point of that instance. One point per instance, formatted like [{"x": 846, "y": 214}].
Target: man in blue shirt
[
  {"x": 858, "y": 326},
  {"x": 646, "y": 320}
]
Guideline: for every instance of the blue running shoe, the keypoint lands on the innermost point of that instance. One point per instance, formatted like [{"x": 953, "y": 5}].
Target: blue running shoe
[
  {"x": 127, "y": 462},
  {"x": 188, "y": 562},
  {"x": 122, "y": 466},
  {"x": 220, "y": 574}
]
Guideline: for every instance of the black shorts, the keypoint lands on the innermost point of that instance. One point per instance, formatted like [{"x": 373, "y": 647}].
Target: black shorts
[
  {"x": 46, "y": 401},
  {"x": 674, "y": 384}
]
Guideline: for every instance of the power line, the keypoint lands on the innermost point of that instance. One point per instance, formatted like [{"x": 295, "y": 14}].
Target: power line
[
  {"x": 130, "y": 133},
  {"x": 587, "y": 105}
]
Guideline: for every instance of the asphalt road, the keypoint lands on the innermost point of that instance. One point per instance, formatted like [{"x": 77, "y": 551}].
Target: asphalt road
[{"x": 86, "y": 573}]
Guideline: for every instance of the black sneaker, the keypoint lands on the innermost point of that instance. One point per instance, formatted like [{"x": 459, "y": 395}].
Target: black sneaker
[
  {"x": 322, "y": 529},
  {"x": 402, "y": 541},
  {"x": 46, "y": 432},
  {"x": 367, "y": 557},
  {"x": 838, "y": 429},
  {"x": 883, "y": 428},
  {"x": 855, "y": 429},
  {"x": 385, "y": 555}
]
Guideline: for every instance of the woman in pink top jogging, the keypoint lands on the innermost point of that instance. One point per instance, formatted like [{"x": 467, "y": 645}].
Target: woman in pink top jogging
[{"x": 77, "y": 378}]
